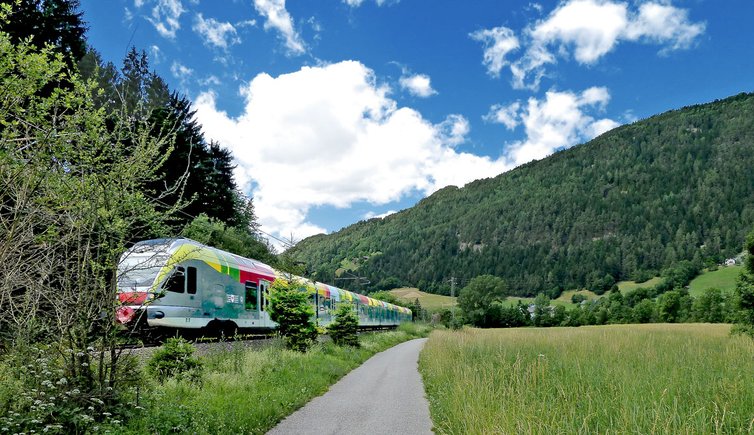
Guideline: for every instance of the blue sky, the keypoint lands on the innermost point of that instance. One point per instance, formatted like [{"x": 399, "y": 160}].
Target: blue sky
[{"x": 339, "y": 110}]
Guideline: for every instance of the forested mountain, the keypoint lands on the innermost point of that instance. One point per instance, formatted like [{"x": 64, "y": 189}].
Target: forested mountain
[{"x": 626, "y": 205}]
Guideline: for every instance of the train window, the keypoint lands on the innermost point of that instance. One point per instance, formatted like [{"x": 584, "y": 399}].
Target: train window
[
  {"x": 177, "y": 281},
  {"x": 250, "y": 301},
  {"x": 191, "y": 280}
]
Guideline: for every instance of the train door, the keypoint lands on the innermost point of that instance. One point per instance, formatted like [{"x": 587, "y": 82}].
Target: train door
[
  {"x": 264, "y": 302},
  {"x": 251, "y": 301},
  {"x": 192, "y": 290}
]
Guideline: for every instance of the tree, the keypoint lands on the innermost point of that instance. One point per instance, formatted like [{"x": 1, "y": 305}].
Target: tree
[
  {"x": 71, "y": 201},
  {"x": 53, "y": 22},
  {"x": 745, "y": 292},
  {"x": 669, "y": 306},
  {"x": 290, "y": 309},
  {"x": 475, "y": 300},
  {"x": 645, "y": 311},
  {"x": 344, "y": 329},
  {"x": 710, "y": 306},
  {"x": 542, "y": 311}
]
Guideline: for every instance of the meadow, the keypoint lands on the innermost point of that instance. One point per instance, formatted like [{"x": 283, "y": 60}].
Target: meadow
[
  {"x": 723, "y": 278},
  {"x": 428, "y": 301},
  {"x": 249, "y": 390},
  {"x": 658, "y": 378}
]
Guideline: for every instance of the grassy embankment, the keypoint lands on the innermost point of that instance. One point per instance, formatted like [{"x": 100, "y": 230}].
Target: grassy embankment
[
  {"x": 660, "y": 378},
  {"x": 249, "y": 391}
]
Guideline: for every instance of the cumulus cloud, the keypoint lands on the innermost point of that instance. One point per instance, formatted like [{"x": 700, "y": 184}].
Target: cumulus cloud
[
  {"x": 418, "y": 85},
  {"x": 278, "y": 18},
  {"x": 498, "y": 42},
  {"x": 506, "y": 115},
  {"x": 331, "y": 136},
  {"x": 216, "y": 33},
  {"x": 559, "y": 121},
  {"x": 165, "y": 16},
  {"x": 585, "y": 30}
]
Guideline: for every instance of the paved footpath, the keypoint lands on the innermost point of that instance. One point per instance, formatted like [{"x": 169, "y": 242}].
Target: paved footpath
[{"x": 383, "y": 396}]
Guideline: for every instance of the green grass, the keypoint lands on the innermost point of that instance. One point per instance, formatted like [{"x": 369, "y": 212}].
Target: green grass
[
  {"x": 429, "y": 301},
  {"x": 250, "y": 391},
  {"x": 627, "y": 286},
  {"x": 610, "y": 379},
  {"x": 723, "y": 278}
]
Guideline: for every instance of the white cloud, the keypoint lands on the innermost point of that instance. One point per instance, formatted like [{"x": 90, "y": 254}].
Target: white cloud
[
  {"x": 418, "y": 85},
  {"x": 211, "y": 80},
  {"x": 278, "y": 18},
  {"x": 559, "y": 121},
  {"x": 181, "y": 72},
  {"x": 165, "y": 16},
  {"x": 331, "y": 136},
  {"x": 454, "y": 129},
  {"x": 357, "y": 3},
  {"x": 498, "y": 42},
  {"x": 506, "y": 115},
  {"x": 586, "y": 30},
  {"x": 372, "y": 215},
  {"x": 216, "y": 33},
  {"x": 155, "y": 54}
]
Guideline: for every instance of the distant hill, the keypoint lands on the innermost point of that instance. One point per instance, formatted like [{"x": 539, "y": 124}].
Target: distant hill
[{"x": 624, "y": 206}]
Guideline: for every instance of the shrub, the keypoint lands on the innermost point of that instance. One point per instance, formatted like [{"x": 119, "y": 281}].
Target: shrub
[
  {"x": 290, "y": 309},
  {"x": 343, "y": 330},
  {"x": 175, "y": 359}
]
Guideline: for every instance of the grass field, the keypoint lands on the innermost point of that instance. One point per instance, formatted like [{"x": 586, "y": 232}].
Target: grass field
[
  {"x": 723, "y": 278},
  {"x": 671, "y": 379},
  {"x": 429, "y": 301},
  {"x": 627, "y": 286}
]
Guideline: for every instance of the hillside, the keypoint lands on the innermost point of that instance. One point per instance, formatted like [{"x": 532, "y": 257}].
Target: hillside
[{"x": 624, "y": 206}]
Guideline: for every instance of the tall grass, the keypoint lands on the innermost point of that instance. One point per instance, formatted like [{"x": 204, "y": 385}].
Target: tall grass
[
  {"x": 248, "y": 391},
  {"x": 669, "y": 379}
]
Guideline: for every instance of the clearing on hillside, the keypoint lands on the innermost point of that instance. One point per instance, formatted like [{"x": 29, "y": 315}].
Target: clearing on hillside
[
  {"x": 428, "y": 301},
  {"x": 723, "y": 278},
  {"x": 657, "y": 378}
]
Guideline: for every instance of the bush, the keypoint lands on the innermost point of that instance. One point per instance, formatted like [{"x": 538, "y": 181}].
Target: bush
[
  {"x": 290, "y": 309},
  {"x": 175, "y": 359},
  {"x": 343, "y": 330}
]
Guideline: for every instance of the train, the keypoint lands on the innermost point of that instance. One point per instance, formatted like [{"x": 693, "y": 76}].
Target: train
[{"x": 178, "y": 285}]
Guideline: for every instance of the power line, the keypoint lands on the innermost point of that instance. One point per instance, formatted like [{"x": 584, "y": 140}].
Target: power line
[{"x": 257, "y": 230}]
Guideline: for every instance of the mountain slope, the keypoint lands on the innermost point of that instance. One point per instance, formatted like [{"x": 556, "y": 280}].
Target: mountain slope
[{"x": 677, "y": 186}]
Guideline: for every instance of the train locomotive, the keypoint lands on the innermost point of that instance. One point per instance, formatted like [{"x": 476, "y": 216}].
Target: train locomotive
[{"x": 180, "y": 285}]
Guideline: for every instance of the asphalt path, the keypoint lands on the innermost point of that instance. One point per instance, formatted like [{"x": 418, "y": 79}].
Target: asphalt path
[{"x": 383, "y": 396}]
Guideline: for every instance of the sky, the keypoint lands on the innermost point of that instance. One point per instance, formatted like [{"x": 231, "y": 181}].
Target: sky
[{"x": 342, "y": 110}]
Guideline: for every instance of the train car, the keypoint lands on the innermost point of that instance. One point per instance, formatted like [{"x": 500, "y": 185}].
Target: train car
[{"x": 182, "y": 285}]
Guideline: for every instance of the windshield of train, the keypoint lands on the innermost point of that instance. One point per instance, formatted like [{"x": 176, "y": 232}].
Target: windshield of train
[{"x": 140, "y": 270}]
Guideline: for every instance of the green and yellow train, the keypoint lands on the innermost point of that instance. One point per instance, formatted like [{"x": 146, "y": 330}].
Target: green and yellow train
[{"x": 171, "y": 285}]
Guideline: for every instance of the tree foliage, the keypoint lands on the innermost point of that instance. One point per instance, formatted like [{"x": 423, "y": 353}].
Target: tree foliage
[
  {"x": 476, "y": 299},
  {"x": 745, "y": 291},
  {"x": 71, "y": 201},
  {"x": 344, "y": 329},
  {"x": 290, "y": 309}
]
